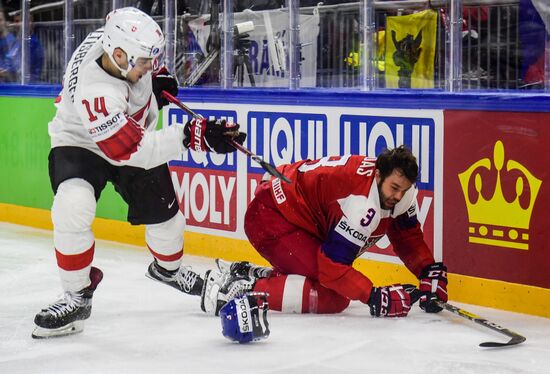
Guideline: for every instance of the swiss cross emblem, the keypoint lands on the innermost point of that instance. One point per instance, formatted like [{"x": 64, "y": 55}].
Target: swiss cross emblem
[{"x": 134, "y": 28}]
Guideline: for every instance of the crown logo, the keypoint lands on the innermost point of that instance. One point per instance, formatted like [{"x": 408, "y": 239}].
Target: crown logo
[{"x": 497, "y": 221}]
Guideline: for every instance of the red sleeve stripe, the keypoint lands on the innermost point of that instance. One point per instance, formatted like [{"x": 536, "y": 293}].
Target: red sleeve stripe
[
  {"x": 167, "y": 258},
  {"x": 124, "y": 142},
  {"x": 75, "y": 262}
]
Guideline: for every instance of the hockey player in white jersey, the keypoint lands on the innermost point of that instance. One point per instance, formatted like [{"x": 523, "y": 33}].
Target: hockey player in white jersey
[{"x": 105, "y": 131}]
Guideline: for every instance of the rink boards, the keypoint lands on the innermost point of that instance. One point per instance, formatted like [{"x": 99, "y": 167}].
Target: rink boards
[
  {"x": 214, "y": 190},
  {"x": 482, "y": 183}
]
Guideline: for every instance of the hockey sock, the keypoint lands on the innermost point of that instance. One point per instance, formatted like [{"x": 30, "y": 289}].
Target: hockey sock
[{"x": 298, "y": 294}]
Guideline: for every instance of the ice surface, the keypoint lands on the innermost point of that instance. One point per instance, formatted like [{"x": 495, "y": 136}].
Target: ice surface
[{"x": 142, "y": 326}]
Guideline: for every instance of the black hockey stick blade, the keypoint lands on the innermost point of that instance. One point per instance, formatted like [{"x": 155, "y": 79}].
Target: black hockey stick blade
[
  {"x": 514, "y": 341},
  {"x": 265, "y": 165},
  {"x": 515, "y": 337}
]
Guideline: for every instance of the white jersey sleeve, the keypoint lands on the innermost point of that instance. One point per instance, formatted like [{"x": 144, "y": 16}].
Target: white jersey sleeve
[
  {"x": 122, "y": 137},
  {"x": 111, "y": 117}
]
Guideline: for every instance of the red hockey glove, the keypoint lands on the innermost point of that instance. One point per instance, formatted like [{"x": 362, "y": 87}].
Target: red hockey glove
[
  {"x": 392, "y": 301},
  {"x": 433, "y": 286},
  {"x": 212, "y": 135},
  {"x": 164, "y": 81}
]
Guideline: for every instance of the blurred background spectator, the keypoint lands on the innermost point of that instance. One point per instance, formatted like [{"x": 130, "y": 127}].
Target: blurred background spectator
[
  {"x": 7, "y": 42},
  {"x": 35, "y": 49},
  {"x": 532, "y": 37},
  {"x": 11, "y": 46}
]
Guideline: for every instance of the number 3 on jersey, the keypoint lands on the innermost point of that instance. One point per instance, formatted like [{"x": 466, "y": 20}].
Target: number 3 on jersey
[
  {"x": 331, "y": 161},
  {"x": 99, "y": 107}
]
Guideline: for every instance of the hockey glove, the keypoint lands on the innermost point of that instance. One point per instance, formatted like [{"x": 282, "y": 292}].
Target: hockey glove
[
  {"x": 433, "y": 286},
  {"x": 212, "y": 135},
  {"x": 392, "y": 301},
  {"x": 164, "y": 81}
]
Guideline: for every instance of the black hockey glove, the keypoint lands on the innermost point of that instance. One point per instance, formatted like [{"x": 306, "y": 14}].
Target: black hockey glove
[
  {"x": 212, "y": 135},
  {"x": 392, "y": 301},
  {"x": 433, "y": 286},
  {"x": 164, "y": 81}
]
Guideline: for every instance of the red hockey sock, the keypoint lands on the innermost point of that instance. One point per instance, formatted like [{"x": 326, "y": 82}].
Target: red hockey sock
[{"x": 298, "y": 294}]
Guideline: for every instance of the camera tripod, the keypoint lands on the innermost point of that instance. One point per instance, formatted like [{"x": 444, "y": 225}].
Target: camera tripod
[
  {"x": 241, "y": 46},
  {"x": 241, "y": 60}
]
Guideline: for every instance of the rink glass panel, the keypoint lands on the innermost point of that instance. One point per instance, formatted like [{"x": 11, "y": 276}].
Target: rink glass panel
[{"x": 502, "y": 44}]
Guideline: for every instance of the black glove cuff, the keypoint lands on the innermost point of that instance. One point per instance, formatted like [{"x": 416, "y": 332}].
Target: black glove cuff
[
  {"x": 374, "y": 302},
  {"x": 438, "y": 271}
]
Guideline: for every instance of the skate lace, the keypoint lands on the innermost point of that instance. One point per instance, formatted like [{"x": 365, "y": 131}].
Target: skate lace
[
  {"x": 186, "y": 278},
  {"x": 240, "y": 268},
  {"x": 68, "y": 303}
]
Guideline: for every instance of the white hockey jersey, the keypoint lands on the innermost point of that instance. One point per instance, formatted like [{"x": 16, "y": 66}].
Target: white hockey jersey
[{"x": 111, "y": 117}]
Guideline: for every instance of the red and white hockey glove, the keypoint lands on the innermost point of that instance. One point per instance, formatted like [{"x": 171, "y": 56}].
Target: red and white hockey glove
[
  {"x": 392, "y": 301},
  {"x": 212, "y": 135},
  {"x": 433, "y": 286}
]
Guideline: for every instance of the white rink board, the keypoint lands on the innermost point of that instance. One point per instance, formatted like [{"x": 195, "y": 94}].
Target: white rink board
[
  {"x": 140, "y": 326},
  {"x": 282, "y": 134}
]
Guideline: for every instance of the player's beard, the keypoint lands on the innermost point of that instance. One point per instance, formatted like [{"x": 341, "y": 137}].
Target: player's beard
[{"x": 385, "y": 202}]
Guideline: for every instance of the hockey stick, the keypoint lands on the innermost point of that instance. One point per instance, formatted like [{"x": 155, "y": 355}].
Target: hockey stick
[
  {"x": 265, "y": 165},
  {"x": 516, "y": 338}
]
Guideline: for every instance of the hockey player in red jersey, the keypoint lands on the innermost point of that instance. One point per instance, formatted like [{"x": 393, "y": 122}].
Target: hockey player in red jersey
[
  {"x": 313, "y": 229},
  {"x": 105, "y": 131}
]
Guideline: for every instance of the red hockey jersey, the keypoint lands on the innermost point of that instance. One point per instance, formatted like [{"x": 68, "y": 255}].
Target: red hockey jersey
[{"x": 336, "y": 199}]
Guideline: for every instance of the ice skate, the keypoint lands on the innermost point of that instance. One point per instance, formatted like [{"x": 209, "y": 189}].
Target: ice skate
[
  {"x": 66, "y": 316},
  {"x": 234, "y": 286},
  {"x": 213, "y": 281},
  {"x": 243, "y": 269},
  {"x": 183, "y": 279},
  {"x": 221, "y": 287}
]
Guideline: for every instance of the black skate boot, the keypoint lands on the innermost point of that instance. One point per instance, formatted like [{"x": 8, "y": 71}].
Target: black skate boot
[
  {"x": 66, "y": 316},
  {"x": 182, "y": 279},
  {"x": 243, "y": 269}
]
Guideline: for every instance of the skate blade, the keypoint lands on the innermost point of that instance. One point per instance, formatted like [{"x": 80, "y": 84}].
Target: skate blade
[
  {"x": 210, "y": 300},
  {"x": 213, "y": 282},
  {"x": 151, "y": 277},
  {"x": 70, "y": 329}
]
